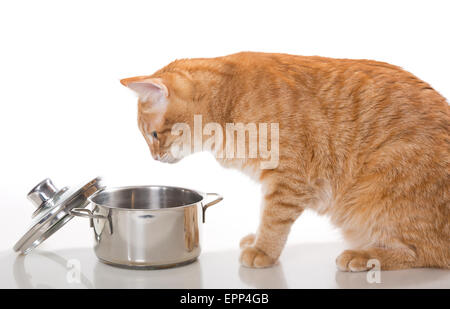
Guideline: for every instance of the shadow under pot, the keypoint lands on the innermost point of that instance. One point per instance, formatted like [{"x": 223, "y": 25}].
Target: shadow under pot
[{"x": 147, "y": 227}]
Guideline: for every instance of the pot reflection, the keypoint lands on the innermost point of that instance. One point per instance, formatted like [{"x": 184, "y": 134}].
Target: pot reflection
[
  {"x": 191, "y": 233},
  {"x": 183, "y": 277},
  {"x": 31, "y": 271},
  {"x": 56, "y": 270}
]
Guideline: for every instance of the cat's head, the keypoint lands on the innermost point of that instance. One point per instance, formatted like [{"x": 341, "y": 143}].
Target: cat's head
[{"x": 163, "y": 101}]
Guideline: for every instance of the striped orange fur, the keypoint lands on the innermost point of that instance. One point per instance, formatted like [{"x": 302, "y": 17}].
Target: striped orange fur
[{"x": 363, "y": 142}]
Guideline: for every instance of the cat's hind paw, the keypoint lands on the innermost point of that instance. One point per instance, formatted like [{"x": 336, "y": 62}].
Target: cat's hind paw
[
  {"x": 383, "y": 259},
  {"x": 255, "y": 258},
  {"x": 353, "y": 261}
]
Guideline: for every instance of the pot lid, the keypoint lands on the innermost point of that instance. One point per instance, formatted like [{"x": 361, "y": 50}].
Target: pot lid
[{"x": 53, "y": 210}]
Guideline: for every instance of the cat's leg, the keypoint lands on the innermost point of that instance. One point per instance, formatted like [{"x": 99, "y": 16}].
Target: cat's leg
[
  {"x": 386, "y": 259},
  {"x": 395, "y": 210},
  {"x": 383, "y": 224},
  {"x": 278, "y": 214}
]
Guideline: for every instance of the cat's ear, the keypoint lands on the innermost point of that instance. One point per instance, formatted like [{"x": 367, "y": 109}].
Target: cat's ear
[{"x": 148, "y": 89}]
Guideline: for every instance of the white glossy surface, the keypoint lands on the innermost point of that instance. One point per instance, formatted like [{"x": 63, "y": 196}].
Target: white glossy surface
[{"x": 301, "y": 266}]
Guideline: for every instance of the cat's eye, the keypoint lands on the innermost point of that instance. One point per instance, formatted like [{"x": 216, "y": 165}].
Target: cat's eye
[{"x": 154, "y": 134}]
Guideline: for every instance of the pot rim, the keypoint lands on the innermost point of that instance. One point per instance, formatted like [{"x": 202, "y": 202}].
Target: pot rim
[{"x": 203, "y": 195}]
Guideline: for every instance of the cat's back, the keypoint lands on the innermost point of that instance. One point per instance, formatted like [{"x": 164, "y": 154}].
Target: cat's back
[
  {"x": 249, "y": 60},
  {"x": 362, "y": 105},
  {"x": 336, "y": 83},
  {"x": 378, "y": 83}
]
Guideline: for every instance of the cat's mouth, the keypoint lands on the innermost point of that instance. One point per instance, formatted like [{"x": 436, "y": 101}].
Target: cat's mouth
[{"x": 167, "y": 158}]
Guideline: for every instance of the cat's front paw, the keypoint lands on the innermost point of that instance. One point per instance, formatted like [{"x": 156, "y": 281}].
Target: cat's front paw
[
  {"x": 247, "y": 241},
  {"x": 255, "y": 258}
]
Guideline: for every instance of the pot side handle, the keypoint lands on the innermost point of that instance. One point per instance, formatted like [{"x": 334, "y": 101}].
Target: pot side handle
[
  {"x": 214, "y": 202},
  {"x": 86, "y": 213}
]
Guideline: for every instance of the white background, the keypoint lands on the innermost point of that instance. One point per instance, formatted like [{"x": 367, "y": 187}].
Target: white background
[{"x": 64, "y": 114}]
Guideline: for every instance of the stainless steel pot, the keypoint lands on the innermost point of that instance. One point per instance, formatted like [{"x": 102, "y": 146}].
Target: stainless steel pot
[{"x": 147, "y": 226}]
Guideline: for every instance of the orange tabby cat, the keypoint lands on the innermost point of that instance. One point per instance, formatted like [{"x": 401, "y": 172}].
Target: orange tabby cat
[{"x": 364, "y": 142}]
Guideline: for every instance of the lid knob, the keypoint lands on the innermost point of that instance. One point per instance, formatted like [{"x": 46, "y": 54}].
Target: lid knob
[{"x": 44, "y": 191}]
